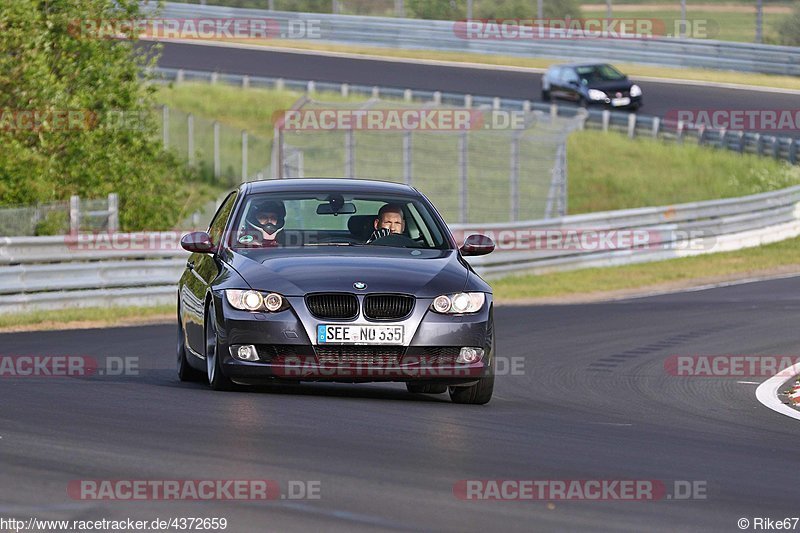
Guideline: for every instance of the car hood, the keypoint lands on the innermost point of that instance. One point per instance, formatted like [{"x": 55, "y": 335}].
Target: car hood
[
  {"x": 423, "y": 273},
  {"x": 611, "y": 86}
]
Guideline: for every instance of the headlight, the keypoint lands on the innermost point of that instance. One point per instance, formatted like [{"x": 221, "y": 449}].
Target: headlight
[
  {"x": 459, "y": 303},
  {"x": 594, "y": 94},
  {"x": 636, "y": 90},
  {"x": 255, "y": 301}
]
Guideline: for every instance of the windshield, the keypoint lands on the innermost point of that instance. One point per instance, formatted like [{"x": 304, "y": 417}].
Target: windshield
[
  {"x": 300, "y": 220},
  {"x": 595, "y": 73}
]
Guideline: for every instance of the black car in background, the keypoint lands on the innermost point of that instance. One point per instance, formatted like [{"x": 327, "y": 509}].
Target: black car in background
[
  {"x": 296, "y": 280},
  {"x": 591, "y": 84}
]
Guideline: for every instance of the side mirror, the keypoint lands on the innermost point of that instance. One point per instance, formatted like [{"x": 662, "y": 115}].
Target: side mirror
[
  {"x": 197, "y": 242},
  {"x": 477, "y": 245}
]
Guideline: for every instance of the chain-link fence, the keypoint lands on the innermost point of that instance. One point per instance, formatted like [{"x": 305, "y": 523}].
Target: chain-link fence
[
  {"x": 223, "y": 154},
  {"x": 503, "y": 166},
  {"x": 59, "y": 218}
]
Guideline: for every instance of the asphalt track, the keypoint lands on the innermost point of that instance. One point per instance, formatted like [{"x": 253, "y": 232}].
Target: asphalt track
[
  {"x": 593, "y": 402},
  {"x": 660, "y": 97}
]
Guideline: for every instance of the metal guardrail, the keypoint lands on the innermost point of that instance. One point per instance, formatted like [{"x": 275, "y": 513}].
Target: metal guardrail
[
  {"x": 90, "y": 271},
  {"x": 442, "y": 36}
]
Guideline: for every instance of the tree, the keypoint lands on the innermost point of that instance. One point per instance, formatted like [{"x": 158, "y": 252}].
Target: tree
[{"x": 97, "y": 132}]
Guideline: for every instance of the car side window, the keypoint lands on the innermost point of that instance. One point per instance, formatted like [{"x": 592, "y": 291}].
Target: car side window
[
  {"x": 220, "y": 220},
  {"x": 570, "y": 76}
]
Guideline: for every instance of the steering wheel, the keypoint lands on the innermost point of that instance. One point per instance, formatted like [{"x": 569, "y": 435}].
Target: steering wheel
[{"x": 397, "y": 240}]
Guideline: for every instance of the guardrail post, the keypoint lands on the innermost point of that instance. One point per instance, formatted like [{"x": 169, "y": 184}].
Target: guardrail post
[
  {"x": 776, "y": 147},
  {"x": 165, "y": 126},
  {"x": 514, "y": 177},
  {"x": 74, "y": 214},
  {"x": 280, "y": 84},
  {"x": 113, "y": 212},
  {"x": 759, "y": 145},
  {"x": 679, "y": 132},
  {"x": 345, "y": 89},
  {"x": 179, "y": 76},
  {"x": 311, "y": 87},
  {"x": 376, "y": 92},
  {"x": 583, "y": 116},
  {"x": 463, "y": 164},
  {"x": 245, "y": 81},
  {"x": 606, "y": 119},
  {"x": 244, "y": 156},
  {"x": 217, "y": 162},
  {"x": 437, "y": 98},
  {"x": 741, "y": 142},
  {"x": 496, "y": 103},
  {"x": 722, "y": 141},
  {"x": 468, "y": 101},
  {"x": 631, "y": 125},
  {"x": 214, "y": 78},
  {"x": 656, "y": 127},
  {"x": 701, "y": 135},
  {"x": 793, "y": 151},
  {"x": 526, "y": 106},
  {"x": 190, "y": 138},
  {"x": 408, "y": 157},
  {"x": 408, "y": 95}
]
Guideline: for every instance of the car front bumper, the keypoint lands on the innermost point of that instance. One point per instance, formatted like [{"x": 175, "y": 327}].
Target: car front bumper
[{"x": 287, "y": 348}]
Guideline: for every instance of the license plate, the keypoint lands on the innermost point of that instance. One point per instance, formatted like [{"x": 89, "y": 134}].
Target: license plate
[
  {"x": 620, "y": 101},
  {"x": 359, "y": 334}
]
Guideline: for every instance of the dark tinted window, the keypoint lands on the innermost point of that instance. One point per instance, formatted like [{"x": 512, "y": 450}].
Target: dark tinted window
[
  {"x": 221, "y": 218},
  {"x": 595, "y": 73}
]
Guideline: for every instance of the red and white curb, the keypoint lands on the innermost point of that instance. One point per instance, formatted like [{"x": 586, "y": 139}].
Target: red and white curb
[{"x": 767, "y": 392}]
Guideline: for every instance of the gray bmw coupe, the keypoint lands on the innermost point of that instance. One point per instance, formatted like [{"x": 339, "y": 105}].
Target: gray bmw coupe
[{"x": 335, "y": 280}]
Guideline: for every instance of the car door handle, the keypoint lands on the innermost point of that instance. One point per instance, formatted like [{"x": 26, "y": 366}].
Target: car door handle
[{"x": 190, "y": 265}]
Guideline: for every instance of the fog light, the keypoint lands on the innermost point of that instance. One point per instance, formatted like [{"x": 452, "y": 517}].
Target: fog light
[
  {"x": 469, "y": 355},
  {"x": 245, "y": 352}
]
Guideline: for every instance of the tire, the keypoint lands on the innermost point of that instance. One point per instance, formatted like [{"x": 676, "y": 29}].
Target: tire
[
  {"x": 545, "y": 95},
  {"x": 415, "y": 387},
  {"x": 185, "y": 371},
  {"x": 477, "y": 394},
  {"x": 217, "y": 380}
]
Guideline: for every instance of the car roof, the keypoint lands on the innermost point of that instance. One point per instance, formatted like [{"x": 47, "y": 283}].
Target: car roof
[
  {"x": 328, "y": 184},
  {"x": 576, "y": 65}
]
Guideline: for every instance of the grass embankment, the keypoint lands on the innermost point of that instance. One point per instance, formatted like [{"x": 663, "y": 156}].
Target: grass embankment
[{"x": 86, "y": 318}]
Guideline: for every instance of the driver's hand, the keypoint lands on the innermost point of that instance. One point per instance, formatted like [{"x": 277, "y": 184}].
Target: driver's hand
[{"x": 379, "y": 234}]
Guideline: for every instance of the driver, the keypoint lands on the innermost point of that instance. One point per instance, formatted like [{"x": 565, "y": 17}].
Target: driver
[
  {"x": 265, "y": 221},
  {"x": 389, "y": 221}
]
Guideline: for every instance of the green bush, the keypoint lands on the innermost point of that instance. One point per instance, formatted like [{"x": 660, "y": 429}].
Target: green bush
[{"x": 46, "y": 67}]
